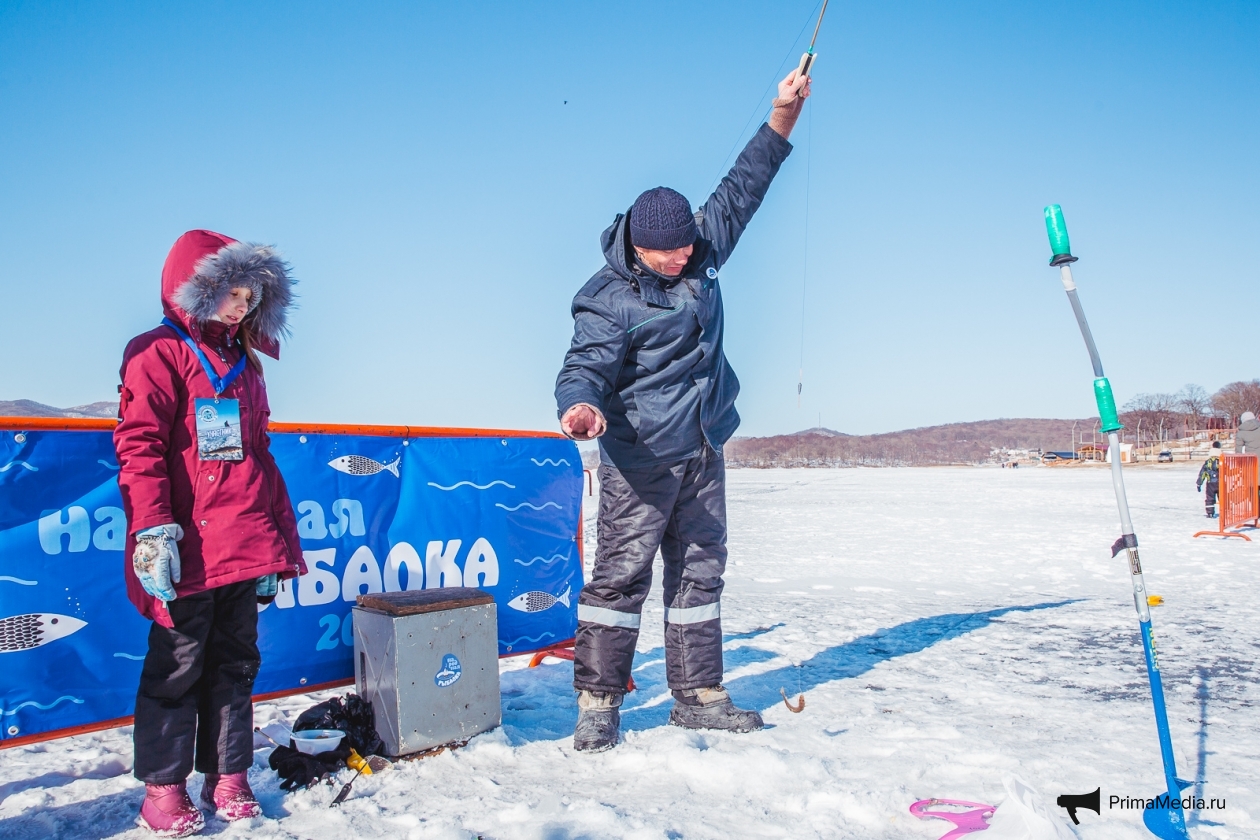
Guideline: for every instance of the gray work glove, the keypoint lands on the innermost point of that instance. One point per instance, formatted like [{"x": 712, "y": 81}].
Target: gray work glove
[{"x": 156, "y": 560}]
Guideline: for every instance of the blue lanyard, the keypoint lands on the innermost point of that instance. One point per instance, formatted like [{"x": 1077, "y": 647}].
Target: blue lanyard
[{"x": 219, "y": 385}]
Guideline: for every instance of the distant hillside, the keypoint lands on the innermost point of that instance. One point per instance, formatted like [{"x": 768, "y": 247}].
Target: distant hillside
[
  {"x": 954, "y": 443},
  {"x": 820, "y": 430},
  {"x": 30, "y": 408}
]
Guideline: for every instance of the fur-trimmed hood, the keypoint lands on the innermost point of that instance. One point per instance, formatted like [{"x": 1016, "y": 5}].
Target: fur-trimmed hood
[{"x": 203, "y": 267}]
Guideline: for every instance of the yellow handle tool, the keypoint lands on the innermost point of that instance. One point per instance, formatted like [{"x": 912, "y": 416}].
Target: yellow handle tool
[{"x": 358, "y": 762}]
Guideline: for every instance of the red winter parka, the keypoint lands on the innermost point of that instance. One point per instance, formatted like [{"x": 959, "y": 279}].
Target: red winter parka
[{"x": 237, "y": 518}]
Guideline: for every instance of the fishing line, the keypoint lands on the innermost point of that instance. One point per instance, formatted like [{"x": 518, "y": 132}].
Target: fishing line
[
  {"x": 809, "y": 155},
  {"x": 805, "y": 67}
]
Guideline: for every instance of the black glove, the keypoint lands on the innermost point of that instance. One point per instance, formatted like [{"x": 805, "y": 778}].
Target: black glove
[{"x": 298, "y": 770}]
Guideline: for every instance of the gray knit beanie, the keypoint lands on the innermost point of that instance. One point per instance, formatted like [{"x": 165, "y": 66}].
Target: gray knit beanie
[{"x": 661, "y": 220}]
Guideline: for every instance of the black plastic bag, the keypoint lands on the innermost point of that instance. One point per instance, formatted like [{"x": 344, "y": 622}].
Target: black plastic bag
[{"x": 353, "y": 717}]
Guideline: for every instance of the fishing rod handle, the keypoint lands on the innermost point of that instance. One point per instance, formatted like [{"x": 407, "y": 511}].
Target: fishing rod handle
[{"x": 807, "y": 64}]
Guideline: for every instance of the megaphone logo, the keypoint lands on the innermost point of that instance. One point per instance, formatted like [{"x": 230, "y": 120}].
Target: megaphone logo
[{"x": 1072, "y": 801}]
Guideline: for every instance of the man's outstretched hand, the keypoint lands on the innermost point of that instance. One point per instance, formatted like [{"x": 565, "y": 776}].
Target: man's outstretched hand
[
  {"x": 583, "y": 422},
  {"x": 793, "y": 91}
]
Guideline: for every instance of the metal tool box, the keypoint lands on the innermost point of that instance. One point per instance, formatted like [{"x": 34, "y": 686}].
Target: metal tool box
[{"x": 428, "y": 662}]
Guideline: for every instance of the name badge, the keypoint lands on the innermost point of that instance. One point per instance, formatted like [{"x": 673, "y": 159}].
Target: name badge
[{"x": 219, "y": 430}]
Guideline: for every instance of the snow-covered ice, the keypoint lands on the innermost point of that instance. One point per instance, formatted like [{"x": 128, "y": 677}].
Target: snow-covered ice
[{"x": 954, "y": 631}]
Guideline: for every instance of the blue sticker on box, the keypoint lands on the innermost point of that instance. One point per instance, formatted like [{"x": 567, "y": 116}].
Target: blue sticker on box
[{"x": 450, "y": 672}]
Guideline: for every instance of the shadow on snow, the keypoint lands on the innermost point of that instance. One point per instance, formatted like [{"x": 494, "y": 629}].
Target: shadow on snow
[{"x": 851, "y": 659}]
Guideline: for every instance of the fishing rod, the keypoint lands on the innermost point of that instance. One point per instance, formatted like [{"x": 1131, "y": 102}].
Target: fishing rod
[
  {"x": 807, "y": 60},
  {"x": 760, "y": 108},
  {"x": 1166, "y": 819}
]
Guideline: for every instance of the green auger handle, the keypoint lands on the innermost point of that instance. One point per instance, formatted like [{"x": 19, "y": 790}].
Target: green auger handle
[
  {"x": 1056, "y": 229},
  {"x": 1106, "y": 404}
]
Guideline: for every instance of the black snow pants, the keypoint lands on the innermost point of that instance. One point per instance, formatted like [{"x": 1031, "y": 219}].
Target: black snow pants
[
  {"x": 196, "y": 687},
  {"x": 679, "y": 509},
  {"x": 1211, "y": 491}
]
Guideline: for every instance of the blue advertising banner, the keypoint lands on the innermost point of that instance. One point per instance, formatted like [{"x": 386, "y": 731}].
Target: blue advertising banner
[{"x": 375, "y": 513}]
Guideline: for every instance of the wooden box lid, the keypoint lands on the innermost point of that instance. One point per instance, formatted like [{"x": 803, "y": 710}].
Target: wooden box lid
[{"x": 416, "y": 601}]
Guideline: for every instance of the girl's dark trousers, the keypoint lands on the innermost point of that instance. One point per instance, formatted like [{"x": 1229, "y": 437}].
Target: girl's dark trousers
[{"x": 196, "y": 686}]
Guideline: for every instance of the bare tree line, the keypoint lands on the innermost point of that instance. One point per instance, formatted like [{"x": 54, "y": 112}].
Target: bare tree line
[
  {"x": 1168, "y": 415},
  {"x": 1154, "y": 416}
]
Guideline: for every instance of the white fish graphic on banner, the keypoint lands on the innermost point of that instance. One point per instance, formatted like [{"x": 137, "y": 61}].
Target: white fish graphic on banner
[
  {"x": 532, "y": 602},
  {"x": 23, "y": 632},
  {"x": 358, "y": 465}
]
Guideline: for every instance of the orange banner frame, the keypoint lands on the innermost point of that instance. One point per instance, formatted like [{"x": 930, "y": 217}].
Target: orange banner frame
[
  {"x": 105, "y": 424},
  {"x": 1237, "y": 502}
]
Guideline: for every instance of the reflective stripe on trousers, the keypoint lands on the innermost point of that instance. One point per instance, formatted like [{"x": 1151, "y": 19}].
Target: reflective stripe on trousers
[
  {"x": 607, "y": 617},
  {"x": 693, "y": 615}
]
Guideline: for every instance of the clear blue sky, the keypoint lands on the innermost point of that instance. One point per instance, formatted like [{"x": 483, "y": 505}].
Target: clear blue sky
[{"x": 440, "y": 203}]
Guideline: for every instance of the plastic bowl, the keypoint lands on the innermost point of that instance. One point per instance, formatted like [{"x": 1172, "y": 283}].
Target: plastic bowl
[{"x": 316, "y": 741}]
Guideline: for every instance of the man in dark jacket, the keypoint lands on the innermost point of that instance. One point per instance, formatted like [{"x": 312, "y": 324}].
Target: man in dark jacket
[{"x": 647, "y": 375}]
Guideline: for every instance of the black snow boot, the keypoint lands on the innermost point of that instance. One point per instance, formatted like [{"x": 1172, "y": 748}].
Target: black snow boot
[
  {"x": 599, "y": 721},
  {"x": 711, "y": 708}
]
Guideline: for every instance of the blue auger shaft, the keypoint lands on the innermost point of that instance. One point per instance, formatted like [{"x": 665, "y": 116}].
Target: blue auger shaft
[{"x": 1173, "y": 825}]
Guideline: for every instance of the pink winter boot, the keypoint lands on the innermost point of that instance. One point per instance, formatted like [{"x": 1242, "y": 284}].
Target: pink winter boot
[
  {"x": 230, "y": 796},
  {"x": 169, "y": 812}
]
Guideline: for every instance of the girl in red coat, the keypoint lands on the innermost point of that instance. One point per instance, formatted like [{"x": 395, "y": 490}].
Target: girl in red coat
[{"x": 211, "y": 527}]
